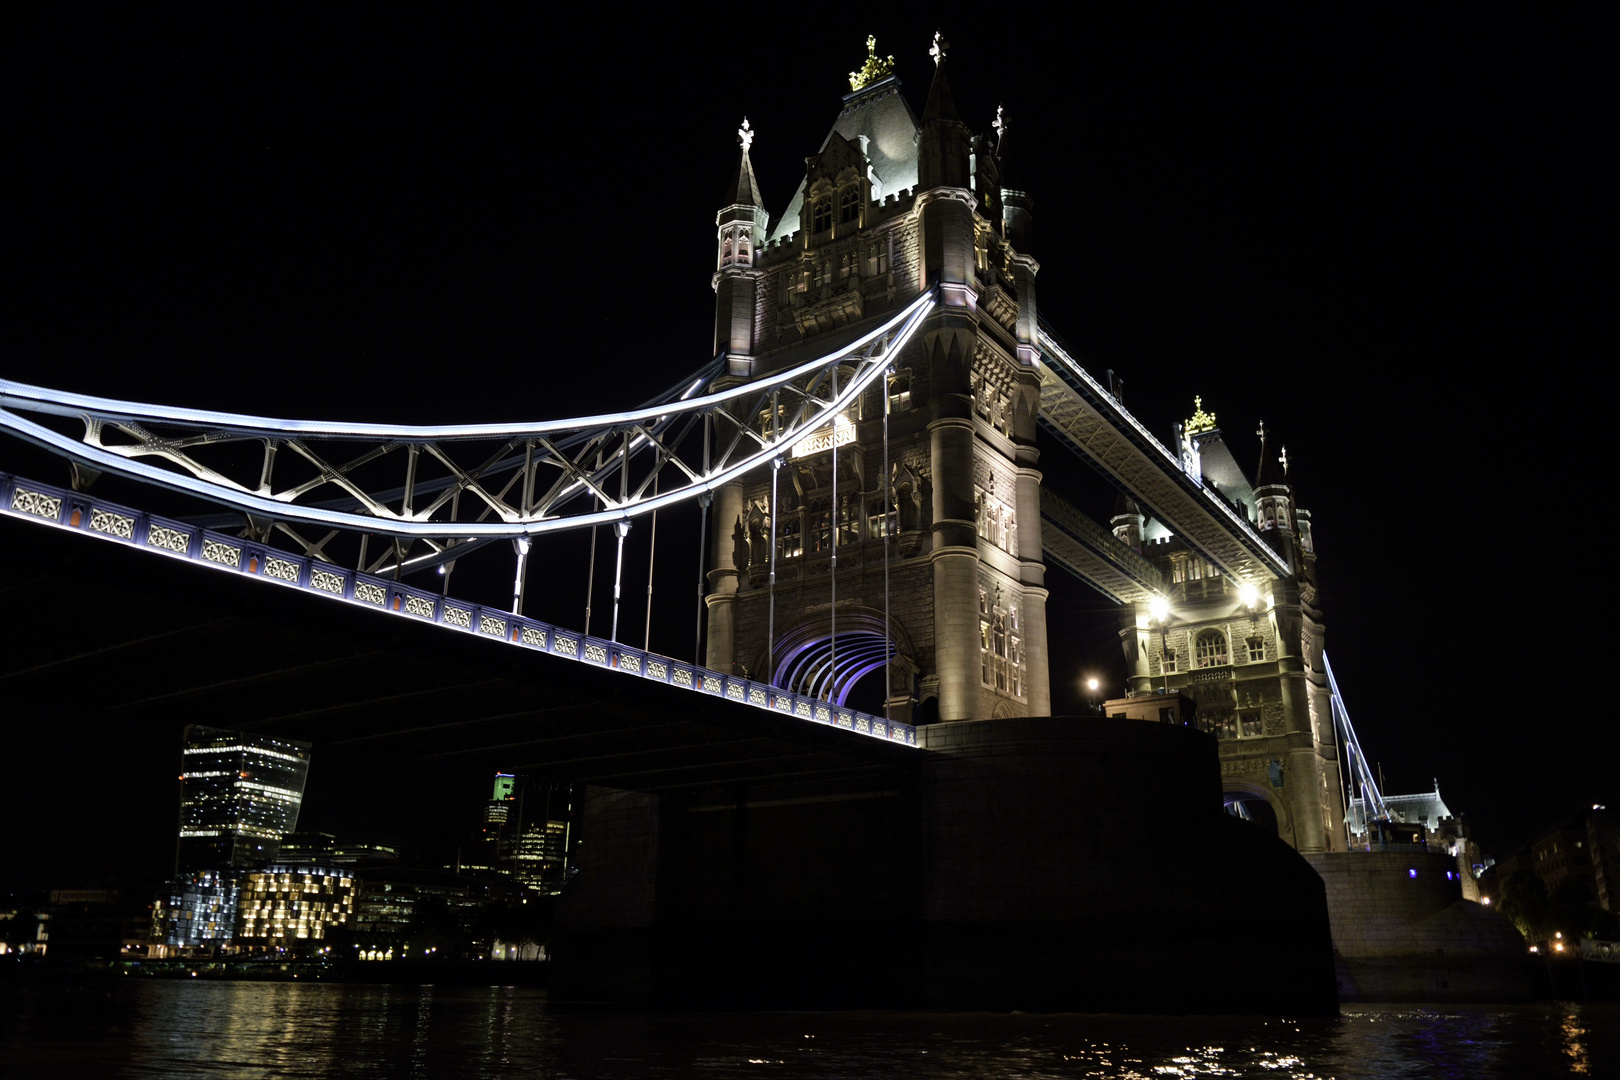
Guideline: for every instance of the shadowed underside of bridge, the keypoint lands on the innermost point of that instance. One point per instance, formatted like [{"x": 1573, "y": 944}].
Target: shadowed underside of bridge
[{"x": 156, "y": 644}]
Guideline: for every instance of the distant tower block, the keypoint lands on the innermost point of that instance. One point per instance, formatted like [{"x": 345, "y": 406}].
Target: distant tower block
[
  {"x": 889, "y": 208},
  {"x": 239, "y": 793}
]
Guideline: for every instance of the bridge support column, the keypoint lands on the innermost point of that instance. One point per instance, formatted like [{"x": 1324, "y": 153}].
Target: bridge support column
[
  {"x": 720, "y": 652},
  {"x": 955, "y": 560},
  {"x": 1032, "y": 576}
]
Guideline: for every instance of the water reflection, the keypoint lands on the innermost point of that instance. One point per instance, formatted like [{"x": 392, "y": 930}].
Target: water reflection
[
  {"x": 1573, "y": 1047},
  {"x": 247, "y": 1031}
]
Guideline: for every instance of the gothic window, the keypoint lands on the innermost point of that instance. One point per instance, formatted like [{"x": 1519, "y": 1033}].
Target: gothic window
[
  {"x": 984, "y": 637},
  {"x": 821, "y": 523},
  {"x": 789, "y": 542},
  {"x": 742, "y": 248},
  {"x": 1169, "y": 662},
  {"x": 883, "y": 259},
  {"x": 1249, "y": 724},
  {"x": 1222, "y": 725},
  {"x": 1256, "y": 647},
  {"x": 849, "y": 204},
  {"x": 823, "y": 273},
  {"x": 1001, "y": 648},
  {"x": 1195, "y": 569},
  {"x": 997, "y": 522},
  {"x": 872, "y": 261},
  {"x": 725, "y": 251},
  {"x": 998, "y": 646},
  {"x": 900, "y": 392},
  {"x": 881, "y": 518},
  {"x": 1209, "y": 649},
  {"x": 1178, "y": 570},
  {"x": 821, "y": 214}
]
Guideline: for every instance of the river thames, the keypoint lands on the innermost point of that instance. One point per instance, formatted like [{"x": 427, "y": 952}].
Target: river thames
[{"x": 242, "y": 1030}]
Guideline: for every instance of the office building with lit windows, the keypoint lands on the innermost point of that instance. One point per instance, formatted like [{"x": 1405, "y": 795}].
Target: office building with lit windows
[
  {"x": 292, "y": 907},
  {"x": 239, "y": 793}
]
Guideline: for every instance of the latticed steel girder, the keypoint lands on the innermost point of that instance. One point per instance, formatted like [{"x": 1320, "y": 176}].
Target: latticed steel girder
[
  {"x": 453, "y": 485},
  {"x": 1093, "y": 554},
  {"x": 1086, "y": 418}
]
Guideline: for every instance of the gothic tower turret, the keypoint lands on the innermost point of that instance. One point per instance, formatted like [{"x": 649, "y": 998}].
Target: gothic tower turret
[
  {"x": 741, "y": 225},
  {"x": 1274, "y": 501}
]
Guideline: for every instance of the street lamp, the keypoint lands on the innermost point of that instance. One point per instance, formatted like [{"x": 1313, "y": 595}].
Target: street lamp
[{"x": 1091, "y": 696}]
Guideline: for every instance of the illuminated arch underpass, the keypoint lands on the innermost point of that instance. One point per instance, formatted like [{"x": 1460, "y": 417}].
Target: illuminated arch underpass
[{"x": 828, "y": 662}]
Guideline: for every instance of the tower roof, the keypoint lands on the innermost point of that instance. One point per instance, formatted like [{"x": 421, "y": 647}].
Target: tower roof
[
  {"x": 941, "y": 104},
  {"x": 1269, "y": 472},
  {"x": 878, "y": 113},
  {"x": 744, "y": 190}
]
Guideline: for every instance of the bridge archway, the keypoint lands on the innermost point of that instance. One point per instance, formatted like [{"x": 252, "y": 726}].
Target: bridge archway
[
  {"x": 808, "y": 661},
  {"x": 1254, "y": 803}
]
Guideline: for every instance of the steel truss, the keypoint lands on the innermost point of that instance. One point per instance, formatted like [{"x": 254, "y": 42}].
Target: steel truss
[{"x": 457, "y": 487}]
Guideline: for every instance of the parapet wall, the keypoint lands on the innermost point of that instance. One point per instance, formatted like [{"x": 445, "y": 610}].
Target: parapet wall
[{"x": 1403, "y": 932}]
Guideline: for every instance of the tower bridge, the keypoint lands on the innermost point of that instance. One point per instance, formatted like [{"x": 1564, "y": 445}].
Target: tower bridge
[{"x": 863, "y": 448}]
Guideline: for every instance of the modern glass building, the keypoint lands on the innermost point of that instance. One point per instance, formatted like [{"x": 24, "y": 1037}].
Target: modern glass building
[
  {"x": 238, "y": 794},
  {"x": 288, "y": 906},
  {"x": 198, "y": 911}
]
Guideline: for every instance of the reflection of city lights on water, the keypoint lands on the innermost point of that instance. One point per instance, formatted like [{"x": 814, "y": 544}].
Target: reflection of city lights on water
[{"x": 1574, "y": 1049}]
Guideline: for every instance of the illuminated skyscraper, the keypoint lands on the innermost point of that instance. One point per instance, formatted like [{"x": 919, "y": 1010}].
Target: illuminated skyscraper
[{"x": 239, "y": 793}]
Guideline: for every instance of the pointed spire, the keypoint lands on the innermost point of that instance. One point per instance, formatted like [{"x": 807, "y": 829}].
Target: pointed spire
[
  {"x": 1263, "y": 474},
  {"x": 745, "y": 192},
  {"x": 1268, "y": 473},
  {"x": 941, "y": 104}
]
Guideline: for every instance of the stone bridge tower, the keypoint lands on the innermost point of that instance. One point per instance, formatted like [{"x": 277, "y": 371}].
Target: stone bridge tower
[
  {"x": 1251, "y": 657},
  {"x": 939, "y": 553}
]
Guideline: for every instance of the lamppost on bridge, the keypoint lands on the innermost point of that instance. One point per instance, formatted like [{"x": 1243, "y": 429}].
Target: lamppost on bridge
[{"x": 1091, "y": 694}]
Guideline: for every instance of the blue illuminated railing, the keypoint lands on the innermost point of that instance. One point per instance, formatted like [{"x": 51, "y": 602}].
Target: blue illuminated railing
[{"x": 79, "y": 512}]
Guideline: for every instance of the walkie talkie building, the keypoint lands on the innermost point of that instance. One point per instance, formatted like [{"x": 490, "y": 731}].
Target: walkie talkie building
[{"x": 239, "y": 793}]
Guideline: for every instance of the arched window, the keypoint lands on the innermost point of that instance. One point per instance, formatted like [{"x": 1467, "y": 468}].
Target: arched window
[
  {"x": 849, "y": 204},
  {"x": 821, "y": 214},
  {"x": 1209, "y": 649}
]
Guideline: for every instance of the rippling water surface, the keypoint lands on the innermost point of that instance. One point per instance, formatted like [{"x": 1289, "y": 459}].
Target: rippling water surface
[{"x": 254, "y": 1030}]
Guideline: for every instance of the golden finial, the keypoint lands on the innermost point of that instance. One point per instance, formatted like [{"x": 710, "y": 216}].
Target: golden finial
[
  {"x": 874, "y": 69},
  {"x": 1201, "y": 421}
]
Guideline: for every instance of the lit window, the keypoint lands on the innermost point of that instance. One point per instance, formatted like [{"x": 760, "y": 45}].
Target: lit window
[{"x": 1209, "y": 649}]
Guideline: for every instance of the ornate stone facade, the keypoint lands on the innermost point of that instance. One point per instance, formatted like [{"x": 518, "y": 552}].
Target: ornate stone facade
[{"x": 924, "y": 499}]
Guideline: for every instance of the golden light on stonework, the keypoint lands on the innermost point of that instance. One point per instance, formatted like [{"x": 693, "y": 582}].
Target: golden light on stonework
[
  {"x": 1200, "y": 421},
  {"x": 876, "y": 68}
]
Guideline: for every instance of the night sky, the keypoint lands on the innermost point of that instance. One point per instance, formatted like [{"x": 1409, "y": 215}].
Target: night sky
[{"x": 1375, "y": 233}]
